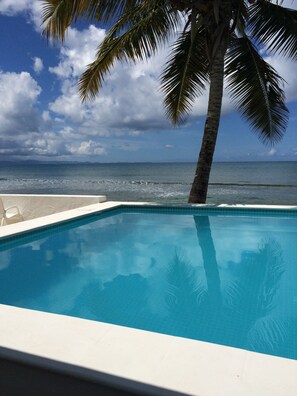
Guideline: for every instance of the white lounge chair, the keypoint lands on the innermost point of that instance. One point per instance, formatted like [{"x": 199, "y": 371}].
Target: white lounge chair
[{"x": 9, "y": 215}]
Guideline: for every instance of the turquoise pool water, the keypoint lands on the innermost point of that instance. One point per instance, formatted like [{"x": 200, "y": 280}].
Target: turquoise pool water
[{"x": 226, "y": 277}]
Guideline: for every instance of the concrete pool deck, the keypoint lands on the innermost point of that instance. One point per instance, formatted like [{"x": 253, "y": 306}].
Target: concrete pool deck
[{"x": 135, "y": 360}]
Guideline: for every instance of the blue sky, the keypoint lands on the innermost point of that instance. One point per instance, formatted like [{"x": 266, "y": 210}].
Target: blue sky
[{"x": 42, "y": 117}]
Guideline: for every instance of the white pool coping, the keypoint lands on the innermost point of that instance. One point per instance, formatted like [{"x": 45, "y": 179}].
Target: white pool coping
[
  {"x": 32, "y": 206},
  {"x": 179, "y": 364}
]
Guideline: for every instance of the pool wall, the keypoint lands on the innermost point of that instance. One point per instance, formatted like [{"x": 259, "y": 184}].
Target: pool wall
[
  {"x": 48, "y": 377},
  {"x": 34, "y": 206},
  {"x": 88, "y": 350}
]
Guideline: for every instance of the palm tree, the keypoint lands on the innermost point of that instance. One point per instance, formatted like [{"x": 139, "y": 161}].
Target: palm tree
[
  {"x": 244, "y": 306},
  {"x": 217, "y": 41}
]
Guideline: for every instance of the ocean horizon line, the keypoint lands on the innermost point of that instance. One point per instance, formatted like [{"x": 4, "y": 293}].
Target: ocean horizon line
[{"x": 32, "y": 162}]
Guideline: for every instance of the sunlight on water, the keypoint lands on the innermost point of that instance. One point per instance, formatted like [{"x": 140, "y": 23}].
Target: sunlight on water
[{"x": 227, "y": 279}]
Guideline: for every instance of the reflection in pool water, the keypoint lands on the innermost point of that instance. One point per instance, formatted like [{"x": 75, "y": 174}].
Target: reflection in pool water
[{"x": 230, "y": 280}]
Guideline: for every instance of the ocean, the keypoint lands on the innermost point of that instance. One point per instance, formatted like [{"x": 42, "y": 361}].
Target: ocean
[{"x": 241, "y": 182}]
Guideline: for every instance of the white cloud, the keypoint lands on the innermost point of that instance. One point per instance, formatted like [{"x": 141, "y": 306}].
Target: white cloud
[
  {"x": 37, "y": 65},
  {"x": 289, "y": 4},
  {"x": 287, "y": 70},
  {"x": 43, "y": 144},
  {"x": 17, "y": 112},
  {"x": 129, "y": 102},
  {"x": 34, "y": 144},
  {"x": 48, "y": 144},
  {"x": 25, "y": 131},
  {"x": 46, "y": 116},
  {"x": 12, "y": 7},
  {"x": 78, "y": 51},
  {"x": 69, "y": 104},
  {"x": 86, "y": 148},
  {"x": 32, "y": 8}
]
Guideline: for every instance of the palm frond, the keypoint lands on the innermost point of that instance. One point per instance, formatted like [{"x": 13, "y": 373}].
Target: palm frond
[
  {"x": 271, "y": 255},
  {"x": 107, "y": 10},
  {"x": 143, "y": 30},
  {"x": 257, "y": 286},
  {"x": 233, "y": 295},
  {"x": 181, "y": 282},
  {"x": 185, "y": 74},
  {"x": 256, "y": 89},
  {"x": 239, "y": 16},
  {"x": 59, "y": 14},
  {"x": 166, "y": 18},
  {"x": 268, "y": 335},
  {"x": 275, "y": 27},
  {"x": 57, "y": 17}
]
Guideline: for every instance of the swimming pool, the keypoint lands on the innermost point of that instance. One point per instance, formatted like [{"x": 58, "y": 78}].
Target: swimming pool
[{"x": 222, "y": 276}]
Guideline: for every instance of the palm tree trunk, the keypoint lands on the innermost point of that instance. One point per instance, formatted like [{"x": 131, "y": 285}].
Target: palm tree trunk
[
  {"x": 210, "y": 264},
  {"x": 200, "y": 184}
]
